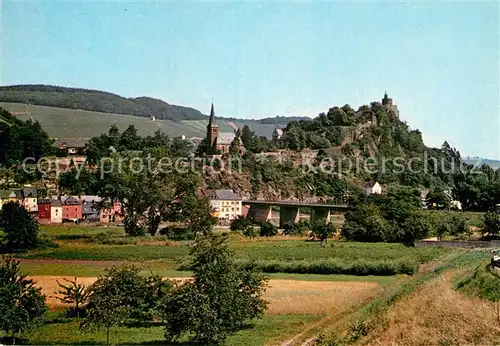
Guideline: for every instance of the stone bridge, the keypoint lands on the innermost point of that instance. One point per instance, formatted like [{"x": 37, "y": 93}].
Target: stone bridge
[{"x": 260, "y": 210}]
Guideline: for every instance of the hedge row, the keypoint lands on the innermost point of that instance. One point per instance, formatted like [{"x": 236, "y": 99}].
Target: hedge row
[{"x": 336, "y": 266}]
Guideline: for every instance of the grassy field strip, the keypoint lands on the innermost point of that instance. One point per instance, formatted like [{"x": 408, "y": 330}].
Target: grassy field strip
[
  {"x": 62, "y": 331},
  {"x": 451, "y": 317},
  {"x": 70, "y": 268},
  {"x": 454, "y": 260},
  {"x": 385, "y": 298},
  {"x": 71, "y": 123}
]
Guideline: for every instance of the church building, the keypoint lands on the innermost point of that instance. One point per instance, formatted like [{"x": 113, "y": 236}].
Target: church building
[{"x": 218, "y": 142}]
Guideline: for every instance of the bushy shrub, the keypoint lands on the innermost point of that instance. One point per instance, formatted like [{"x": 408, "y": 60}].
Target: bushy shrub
[
  {"x": 243, "y": 225},
  {"x": 121, "y": 294},
  {"x": 117, "y": 241},
  {"x": 297, "y": 228},
  {"x": 491, "y": 223},
  {"x": 240, "y": 223},
  {"x": 415, "y": 227},
  {"x": 267, "y": 229},
  {"x": 459, "y": 225},
  {"x": 177, "y": 233},
  {"x": 365, "y": 223}
]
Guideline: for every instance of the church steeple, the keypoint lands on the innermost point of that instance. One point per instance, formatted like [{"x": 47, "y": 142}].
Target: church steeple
[
  {"x": 212, "y": 132},
  {"x": 212, "y": 115}
]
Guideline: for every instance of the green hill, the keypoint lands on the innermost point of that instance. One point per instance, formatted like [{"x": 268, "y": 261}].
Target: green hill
[
  {"x": 77, "y": 123},
  {"x": 105, "y": 102},
  {"x": 72, "y": 123}
]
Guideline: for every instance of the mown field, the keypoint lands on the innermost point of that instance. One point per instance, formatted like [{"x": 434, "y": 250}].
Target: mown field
[{"x": 272, "y": 255}]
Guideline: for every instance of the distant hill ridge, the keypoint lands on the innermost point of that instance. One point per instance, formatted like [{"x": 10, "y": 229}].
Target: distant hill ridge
[
  {"x": 478, "y": 161},
  {"x": 106, "y": 102}
]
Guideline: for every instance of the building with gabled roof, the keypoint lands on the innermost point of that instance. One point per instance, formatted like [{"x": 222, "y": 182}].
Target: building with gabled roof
[
  {"x": 72, "y": 145},
  {"x": 44, "y": 210},
  {"x": 56, "y": 211},
  {"x": 72, "y": 208},
  {"x": 226, "y": 204},
  {"x": 30, "y": 199},
  {"x": 7, "y": 196}
]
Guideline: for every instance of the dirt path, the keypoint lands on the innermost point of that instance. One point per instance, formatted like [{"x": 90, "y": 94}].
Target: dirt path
[{"x": 324, "y": 321}]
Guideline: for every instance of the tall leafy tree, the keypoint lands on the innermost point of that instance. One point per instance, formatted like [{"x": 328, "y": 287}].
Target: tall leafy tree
[
  {"x": 181, "y": 148},
  {"x": 130, "y": 139},
  {"x": 247, "y": 136},
  {"x": 219, "y": 300},
  {"x": 150, "y": 195},
  {"x": 20, "y": 230},
  {"x": 119, "y": 295},
  {"x": 365, "y": 223},
  {"x": 21, "y": 303},
  {"x": 22, "y": 139}
]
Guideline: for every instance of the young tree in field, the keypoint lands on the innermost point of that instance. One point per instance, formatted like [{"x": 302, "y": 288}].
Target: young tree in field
[
  {"x": 117, "y": 296},
  {"x": 21, "y": 304},
  {"x": 20, "y": 230},
  {"x": 323, "y": 231},
  {"x": 73, "y": 293},
  {"x": 105, "y": 309},
  {"x": 442, "y": 230},
  {"x": 221, "y": 298}
]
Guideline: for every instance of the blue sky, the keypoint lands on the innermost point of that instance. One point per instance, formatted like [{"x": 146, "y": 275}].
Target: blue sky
[{"x": 439, "y": 61}]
